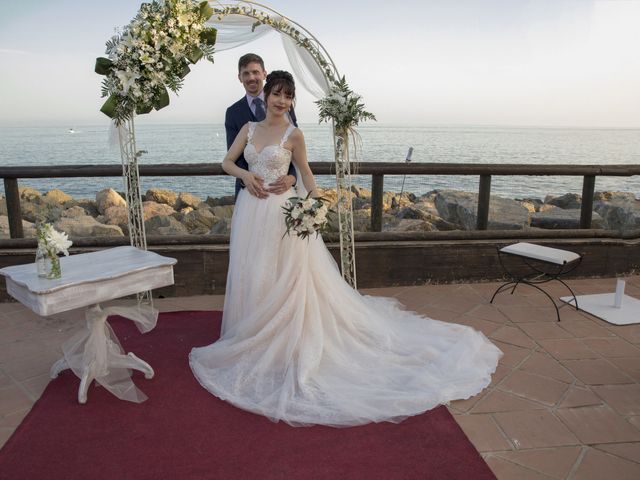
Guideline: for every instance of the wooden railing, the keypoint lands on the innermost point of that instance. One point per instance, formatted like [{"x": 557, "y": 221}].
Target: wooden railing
[{"x": 11, "y": 175}]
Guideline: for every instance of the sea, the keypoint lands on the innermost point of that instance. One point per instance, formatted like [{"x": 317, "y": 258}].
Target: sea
[{"x": 205, "y": 143}]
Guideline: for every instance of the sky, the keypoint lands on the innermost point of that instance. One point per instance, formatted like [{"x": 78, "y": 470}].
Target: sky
[{"x": 418, "y": 62}]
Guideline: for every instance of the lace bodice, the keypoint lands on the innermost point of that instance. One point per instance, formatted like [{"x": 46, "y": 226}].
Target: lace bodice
[{"x": 272, "y": 161}]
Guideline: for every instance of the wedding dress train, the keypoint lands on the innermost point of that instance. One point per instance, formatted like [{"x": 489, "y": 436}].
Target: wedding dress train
[{"x": 298, "y": 344}]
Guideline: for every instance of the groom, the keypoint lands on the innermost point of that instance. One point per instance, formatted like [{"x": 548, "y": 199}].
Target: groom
[{"x": 251, "y": 108}]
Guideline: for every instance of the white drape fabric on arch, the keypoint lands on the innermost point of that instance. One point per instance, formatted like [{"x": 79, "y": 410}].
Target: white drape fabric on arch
[{"x": 237, "y": 30}]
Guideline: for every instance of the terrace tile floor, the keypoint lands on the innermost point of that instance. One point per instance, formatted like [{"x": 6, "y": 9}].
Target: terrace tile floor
[{"x": 564, "y": 402}]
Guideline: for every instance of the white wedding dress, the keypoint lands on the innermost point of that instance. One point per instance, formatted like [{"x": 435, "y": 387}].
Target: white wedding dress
[{"x": 298, "y": 344}]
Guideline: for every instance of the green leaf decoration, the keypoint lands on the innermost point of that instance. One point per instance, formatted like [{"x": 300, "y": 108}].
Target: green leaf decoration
[
  {"x": 142, "y": 109},
  {"x": 208, "y": 36},
  {"x": 205, "y": 10},
  {"x": 194, "y": 55},
  {"x": 109, "y": 107},
  {"x": 184, "y": 70},
  {"x": 163, "y": 99},
  {"x": 103, "y": 66}
]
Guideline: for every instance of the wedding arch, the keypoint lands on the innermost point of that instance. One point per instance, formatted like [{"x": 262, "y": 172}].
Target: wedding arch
[{"x": 152, "y": 55}]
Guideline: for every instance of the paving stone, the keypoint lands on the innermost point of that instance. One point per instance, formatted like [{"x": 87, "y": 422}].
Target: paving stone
[
  {"x": 545, "y": 365},
  {"x": 598, "y": 425},
  {"x": 554, "y": 462},
  {"x": 528, "y": 314},
  {"x": 499, "y": 401},
  {"x": 624, "y": 399},
  {"x": 597, "y": 465},
  {"x": 584, "y": 328},
  {"x": 489, "y": 312},
  {"x": 630, "y": 366},
  {"x": 567, "y": 349},
  {"x": 628, "y": 451},
  {"x": 579, "y": 397},
  {"x": 596, "y": 372},
  {"x": 535, "y": 429},
  {"x": 506, "y": 470},
  {"x": 541, "y": 389},
  {"x": 512, "y": 336},
  {"x": 513, "y": 355},
  {"x": 13, "y": 399},
  {"x": 612, "y": 347},
  {"x": 483, "y": 432},
  {"x": 544, "y": 330}
]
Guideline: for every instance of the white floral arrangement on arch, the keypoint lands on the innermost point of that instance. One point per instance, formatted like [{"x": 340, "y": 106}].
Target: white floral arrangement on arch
[
  {"x": 306, "y": 216},
  {"x": 152, "y": 55},
  {"x": 343, "y": 106}
]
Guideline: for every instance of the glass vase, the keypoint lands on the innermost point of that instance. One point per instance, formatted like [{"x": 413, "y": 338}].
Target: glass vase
[
  {"x": 43, "y": 264},
  {"x": 54, "y": 272}
]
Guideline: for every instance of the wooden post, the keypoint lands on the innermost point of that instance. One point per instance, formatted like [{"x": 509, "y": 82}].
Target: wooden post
[
  {"x": 377, "y": 187},
  {"x": 586, "y": 209},
  {"x": 483, "y": 202},
  {"x": 12, "y": 197}
]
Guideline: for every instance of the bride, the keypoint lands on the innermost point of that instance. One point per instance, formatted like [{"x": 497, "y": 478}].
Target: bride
[{"x": 298, "y": 344}]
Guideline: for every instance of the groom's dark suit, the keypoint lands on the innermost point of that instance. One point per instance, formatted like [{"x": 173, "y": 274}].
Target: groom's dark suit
[{"x": 236, "y": 117}]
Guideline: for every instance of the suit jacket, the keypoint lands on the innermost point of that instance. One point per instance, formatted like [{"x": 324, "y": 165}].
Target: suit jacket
[{"x": 236, "y": 117}]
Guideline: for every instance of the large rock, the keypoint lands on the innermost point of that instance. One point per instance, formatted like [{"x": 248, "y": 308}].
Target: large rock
[
  {"x": 559, "y": 218},
  {"x": 74, "y": 212},
  {"x": 164, "y": 226},
  {"x": 408, "y": 225},
  {"x": 58, "y": 196},
  {"x": 619, "y": 214},
  {"x": 566, "y": 201},
  {"x": 221, "y": 227},
  {"x": 3, "y": 205},
  {"x": 40, "y": 211},
  {"x": 225, "y": 211},
  {"x": 28, "y": 193},
  {"x": 360, "y": 192},
  {"x": 108, "y": 198},
  {"x": 116, "y": 215},
  {"x": 461, "y": 208},
  {"x": 28, "y": 228},
  {"x": 89, "y": 206},
  {"x": 86, "y": 226},
  {"x": 159, "y": 195},
  {"x": 216, "y": 201},
  {"x": 614, "y": 196},
  {"x": 186, "y": 200},
  {"x": 199, "y": 222},
  {"x": 154, "y": 209}
]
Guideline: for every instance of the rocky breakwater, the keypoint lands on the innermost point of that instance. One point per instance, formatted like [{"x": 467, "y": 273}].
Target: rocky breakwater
[{"x": 169, "y": 213}]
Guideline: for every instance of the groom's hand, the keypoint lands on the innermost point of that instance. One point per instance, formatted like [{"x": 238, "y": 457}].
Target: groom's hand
[
  {"x": 254, "y": 184},
  {"x": 282, "y": 184}
]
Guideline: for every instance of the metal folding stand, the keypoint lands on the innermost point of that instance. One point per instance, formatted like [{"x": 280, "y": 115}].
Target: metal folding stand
[{"x": 544, "y": 264}]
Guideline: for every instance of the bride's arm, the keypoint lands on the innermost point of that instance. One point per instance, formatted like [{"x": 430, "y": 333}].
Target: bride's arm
[
  {"x": 252, "y": 182},
  {"x": 299, "y": 157}
]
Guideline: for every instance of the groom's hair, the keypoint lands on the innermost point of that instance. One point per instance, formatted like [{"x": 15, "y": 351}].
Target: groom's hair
[{"x": 248, "y": 58}]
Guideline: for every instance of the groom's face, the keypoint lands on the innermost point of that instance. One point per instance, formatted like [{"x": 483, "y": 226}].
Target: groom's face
[{"x": 252, "y": 77}]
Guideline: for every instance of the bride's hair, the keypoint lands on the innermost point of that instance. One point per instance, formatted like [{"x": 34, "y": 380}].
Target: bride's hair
[{"x": 280, "y": 81}]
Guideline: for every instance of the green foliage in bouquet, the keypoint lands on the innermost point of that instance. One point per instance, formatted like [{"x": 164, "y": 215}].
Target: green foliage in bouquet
[
  {"x": 343, "y": 106},
  {"x": 152, "y": 55}
]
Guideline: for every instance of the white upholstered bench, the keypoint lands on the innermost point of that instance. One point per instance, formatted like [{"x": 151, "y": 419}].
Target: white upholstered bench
[{"x": 544, "y": 264}]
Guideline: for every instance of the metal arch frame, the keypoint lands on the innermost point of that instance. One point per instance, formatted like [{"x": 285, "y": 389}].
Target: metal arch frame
[
  {"x": 129, "y": 154},
  {"x": 264, "y": 15}
]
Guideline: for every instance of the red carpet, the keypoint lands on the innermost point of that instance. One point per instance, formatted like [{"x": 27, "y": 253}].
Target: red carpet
[{"x": 182, "y": 432}]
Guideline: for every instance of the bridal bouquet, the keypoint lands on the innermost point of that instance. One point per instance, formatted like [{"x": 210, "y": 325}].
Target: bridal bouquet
[
  {"x": 305, "y": 216},
  {"x": 50, "y": 243}
]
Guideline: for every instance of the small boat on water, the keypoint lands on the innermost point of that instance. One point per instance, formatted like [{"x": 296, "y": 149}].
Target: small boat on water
[{"x": 71, "y": 130}]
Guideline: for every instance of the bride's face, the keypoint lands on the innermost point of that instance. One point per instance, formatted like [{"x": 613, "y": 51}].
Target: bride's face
[{"x": 279, "y": 102}]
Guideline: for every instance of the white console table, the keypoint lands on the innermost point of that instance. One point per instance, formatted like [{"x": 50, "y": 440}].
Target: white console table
[{"x": 88, "y": 279}]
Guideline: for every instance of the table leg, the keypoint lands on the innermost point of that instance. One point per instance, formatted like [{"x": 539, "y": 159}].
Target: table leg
[{"x": 94, "y": 354}]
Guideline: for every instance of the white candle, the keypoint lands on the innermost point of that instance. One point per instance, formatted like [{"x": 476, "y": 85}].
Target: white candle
[{"x": 619, "y": 293}]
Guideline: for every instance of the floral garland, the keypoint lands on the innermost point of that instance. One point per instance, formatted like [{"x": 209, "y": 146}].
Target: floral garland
[{"x": 152, "y": 54}]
